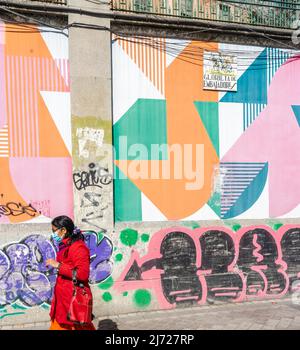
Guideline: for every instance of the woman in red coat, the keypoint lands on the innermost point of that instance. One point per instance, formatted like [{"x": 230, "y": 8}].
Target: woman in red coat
[{"x": 72, "y": 254}]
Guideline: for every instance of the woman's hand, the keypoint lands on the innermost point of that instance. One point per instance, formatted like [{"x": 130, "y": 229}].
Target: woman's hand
[{"x": 53, "y": 263}]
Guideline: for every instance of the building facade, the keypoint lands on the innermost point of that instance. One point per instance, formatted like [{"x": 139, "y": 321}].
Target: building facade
[{"x": 166, "y": 130}]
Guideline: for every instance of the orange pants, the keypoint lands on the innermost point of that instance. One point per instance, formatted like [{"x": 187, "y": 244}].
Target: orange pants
[{"x": 55, "y": 326}]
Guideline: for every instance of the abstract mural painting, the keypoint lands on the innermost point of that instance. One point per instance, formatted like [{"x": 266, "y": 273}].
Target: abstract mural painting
[
  {"x": 250, "y": 137},
  {"x": 35, "y": 125}
]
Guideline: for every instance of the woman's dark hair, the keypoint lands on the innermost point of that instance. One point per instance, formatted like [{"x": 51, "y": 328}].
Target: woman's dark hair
[{"x": 73, "y": 232}]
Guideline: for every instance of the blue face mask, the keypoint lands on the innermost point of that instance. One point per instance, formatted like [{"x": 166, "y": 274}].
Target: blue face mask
[{"x": 56, "y": 237}]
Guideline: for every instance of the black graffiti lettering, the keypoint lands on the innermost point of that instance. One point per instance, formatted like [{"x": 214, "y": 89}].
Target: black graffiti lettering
[
  {"x": 93, "y": 177},
  {"x": 106, "y": 179},
  {"x": 256, "y": 265},
  {"x": 180, "y": 282},
  {"x": 17, "y": 209},
  {"x": 92, "y": 198},
  {"x": 4, "y": 210},
  {"x": 257, "y": 259},
  {"x": 218, "y": 253},
  {"x": 92, "y": 223},
  {"x": 93, "y": 201},
  {"x": 290, "y": 246}
]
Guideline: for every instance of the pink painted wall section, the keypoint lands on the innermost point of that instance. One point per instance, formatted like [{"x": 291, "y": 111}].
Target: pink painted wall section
[{"x": 185, "y": 266}]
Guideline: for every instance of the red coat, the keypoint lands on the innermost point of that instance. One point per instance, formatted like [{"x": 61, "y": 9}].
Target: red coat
[{"x": 77, "y": 255}]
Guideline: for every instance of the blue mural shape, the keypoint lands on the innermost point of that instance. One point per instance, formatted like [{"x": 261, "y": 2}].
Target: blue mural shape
[
  {"x": 252, "y": 85},
  {"x": 242, "y": 185}
]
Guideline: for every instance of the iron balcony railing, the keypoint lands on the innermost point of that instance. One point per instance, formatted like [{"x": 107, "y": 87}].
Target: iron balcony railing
[
  {"x": 56, "y": 2},
  {"x": 277, "y": 13}
]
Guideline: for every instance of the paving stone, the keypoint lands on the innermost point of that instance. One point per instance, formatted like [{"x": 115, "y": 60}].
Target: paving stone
[
  {"x": 254, "y": 315},
  {"x": 256, "y": 326},
  {"x": 284, "y": 323}
]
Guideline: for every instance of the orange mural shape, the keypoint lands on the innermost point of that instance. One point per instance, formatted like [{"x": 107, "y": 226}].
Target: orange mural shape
[{"x": 183, "y": 86}]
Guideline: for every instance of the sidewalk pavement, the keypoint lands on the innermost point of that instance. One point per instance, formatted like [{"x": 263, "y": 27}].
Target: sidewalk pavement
[{"x": 279, "y": 314}]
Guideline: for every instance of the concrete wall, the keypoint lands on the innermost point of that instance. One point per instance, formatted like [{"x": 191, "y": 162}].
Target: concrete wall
[{"x": 157, "y": 263}]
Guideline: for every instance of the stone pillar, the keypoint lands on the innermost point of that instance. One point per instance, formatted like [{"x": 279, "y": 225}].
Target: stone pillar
[{"x": 90, "y": 69}]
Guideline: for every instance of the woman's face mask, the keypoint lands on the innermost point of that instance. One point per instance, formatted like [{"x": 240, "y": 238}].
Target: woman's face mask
[{"x": 56, "y": 237}]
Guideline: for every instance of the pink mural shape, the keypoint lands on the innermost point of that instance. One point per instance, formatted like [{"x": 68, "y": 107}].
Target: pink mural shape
[
  {"x": 48, "y": 184},
  {"x": 274, "y": 137}
]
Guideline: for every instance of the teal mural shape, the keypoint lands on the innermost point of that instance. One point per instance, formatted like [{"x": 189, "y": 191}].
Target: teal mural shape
[
  {"x": 252, "y": 85},
  {"x": 209, "y": 114},
  {"x": 144, "y": 124},
  {"x": 296, "y": 110},
  {"x": 126, "y": 210}
]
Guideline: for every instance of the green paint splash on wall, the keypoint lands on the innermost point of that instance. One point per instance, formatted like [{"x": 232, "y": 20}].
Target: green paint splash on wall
[
  {"x": 129, "y": 237},
  {"x": 142, "y": 298},
  {"x": 106, "y": 284},
  {"x": 125, "y": 294},
  {"x": 236, "y": 227},
  {"x": 145, "y": 237},
  {"x": 277, "y": 226},
  {"x": 107, "y": 297},
  {"x": 191, "y": 225},
  {"x": 118, "y": 257}
]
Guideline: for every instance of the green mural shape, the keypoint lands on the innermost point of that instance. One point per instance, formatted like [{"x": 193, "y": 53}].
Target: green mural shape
[
  {"x": 129, "y": 237},
  {"x": 143, "y": 124},
  {"x": 106, "y": 284},
  {"x": 209, "y": 114},
  {"x": 126, "y": 210},
  {"x": 142, "y": 298}
]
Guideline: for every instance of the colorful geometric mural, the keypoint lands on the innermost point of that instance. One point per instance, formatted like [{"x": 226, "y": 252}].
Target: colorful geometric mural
[
  {"x": 35, "y": 125},
  {"x": 250, "y": 138}
]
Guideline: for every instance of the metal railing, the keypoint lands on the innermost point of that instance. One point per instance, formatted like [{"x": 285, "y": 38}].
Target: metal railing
[
  {"x": 56, "y": 2},
  {"x": 277, "y": 13}
]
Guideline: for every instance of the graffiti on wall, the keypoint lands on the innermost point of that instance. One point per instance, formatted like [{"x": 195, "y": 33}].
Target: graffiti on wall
[
  {"x": 92, "y": 172},
  {"x": 91, "y": 185},
  {"x": 206, "y": 264},
  {"x": 94, "y": 177},
  {"x": 25, "y": 277},
  {"x": 156, "y": 82},
  {"x": 35, "y": 125}
]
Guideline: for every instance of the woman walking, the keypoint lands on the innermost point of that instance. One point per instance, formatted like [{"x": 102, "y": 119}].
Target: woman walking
[{"x": 73, "y": 255}]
